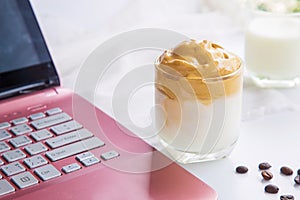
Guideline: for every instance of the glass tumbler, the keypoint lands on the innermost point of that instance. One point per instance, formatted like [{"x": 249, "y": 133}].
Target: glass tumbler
[
  {"x": 272, "y": 45},
  {"x": 198, "y": 118}
]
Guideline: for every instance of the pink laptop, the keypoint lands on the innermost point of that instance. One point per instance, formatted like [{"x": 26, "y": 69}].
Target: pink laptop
[{"x": 56, "y": 145}]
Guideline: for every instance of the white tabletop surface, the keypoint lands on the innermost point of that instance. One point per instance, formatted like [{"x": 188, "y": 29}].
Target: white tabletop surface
[{"x": 270, "y": 127}]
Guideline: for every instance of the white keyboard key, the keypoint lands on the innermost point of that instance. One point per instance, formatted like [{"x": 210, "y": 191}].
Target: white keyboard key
[
  {"x": 75, "y": 148},
  {"x": 84, "y": 155},
  {"x": 12, "y": 168},
  {"x": 20, "y": 141},
  {"x": 68, "y": 138},
  {"x": 1, "y": 162},
  {"x": 66, "y": 127},
  {"x": 21, "y": 129},
  {"x": 41, "y": 135},
  {"x": 4, "y": 135},
  {"x": 53, "y": 111},
  {"x": 90, "y": 161},
  {"x": 24, "y": 180},
  {"x": 13, "y": 155},
  {"x": 35, "y": 161},
  {"x": 109, "y": 155},
  {"x": 71, "y": 168},
  {"x": 50, "y": 121},
  {"x": 4, "y": 125},
  {"x": 47, "y": 172},
  {"x": 18, "y": 121},
  {"x": 5, "y": 187},
  {"x": 4, "y": 147},
  {"x": 36, "y": 116},
  {"x": 35, "y": 148}
]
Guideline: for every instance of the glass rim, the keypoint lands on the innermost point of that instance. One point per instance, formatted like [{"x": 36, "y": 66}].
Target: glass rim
[{"x": 208, "y": 79}]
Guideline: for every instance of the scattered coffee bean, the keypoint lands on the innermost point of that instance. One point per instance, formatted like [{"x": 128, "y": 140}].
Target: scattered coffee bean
[
  {"x": 264, "y": 166},
  {"x": 286, "y": 170},
  {"x": 271, "y": 189},
  {"x": 241, "y": 169},
  {"x": 297, "y": 179},
  {"x": 287, "y": 197},
  {"x": 267, "y": 175}
]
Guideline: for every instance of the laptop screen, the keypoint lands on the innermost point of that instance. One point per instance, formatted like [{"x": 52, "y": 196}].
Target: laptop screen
[{"x": 25, "y": 63}]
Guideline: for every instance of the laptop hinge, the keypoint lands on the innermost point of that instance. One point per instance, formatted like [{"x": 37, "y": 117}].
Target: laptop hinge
[{"x": 23, "y": 90}]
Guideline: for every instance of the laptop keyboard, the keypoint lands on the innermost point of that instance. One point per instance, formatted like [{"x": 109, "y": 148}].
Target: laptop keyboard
[{"x": 30, "y": 145}]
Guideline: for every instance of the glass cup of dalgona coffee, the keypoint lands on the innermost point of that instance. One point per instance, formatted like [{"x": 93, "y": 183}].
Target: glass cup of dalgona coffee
[{"x": 198, "y": 90}]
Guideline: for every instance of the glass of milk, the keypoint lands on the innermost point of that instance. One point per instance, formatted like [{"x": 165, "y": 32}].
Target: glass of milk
[
  {"x": 198, "y": 88},
  {"x": 272, "y": 44}
]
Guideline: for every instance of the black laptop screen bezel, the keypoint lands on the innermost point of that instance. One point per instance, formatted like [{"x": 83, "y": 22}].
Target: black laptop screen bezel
[{"x": 43, "y": 75}]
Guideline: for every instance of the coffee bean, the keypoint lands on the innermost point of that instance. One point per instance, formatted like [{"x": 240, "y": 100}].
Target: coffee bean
[
  {"x": 286, "y": 170},
  {"x": 271, "y": 189},
  {"x": 287, "y": 197},
  {"x": 241, "y": 169},
  {"x": 264, "y": 166},
  {"x": 297, "y": 179},
  {"x": 267, "y": 175}
]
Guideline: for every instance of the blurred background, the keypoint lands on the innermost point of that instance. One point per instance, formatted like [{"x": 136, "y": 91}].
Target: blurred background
[{"x": 77, "y": 27}]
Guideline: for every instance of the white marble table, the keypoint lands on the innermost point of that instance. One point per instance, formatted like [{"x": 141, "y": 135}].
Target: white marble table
[{"x": 270, "y": 128}]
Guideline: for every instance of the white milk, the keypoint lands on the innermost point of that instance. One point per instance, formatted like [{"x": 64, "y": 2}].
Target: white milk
[
  {"x": 272, "y": 47},
  {"x": 218, "y": 124}
]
